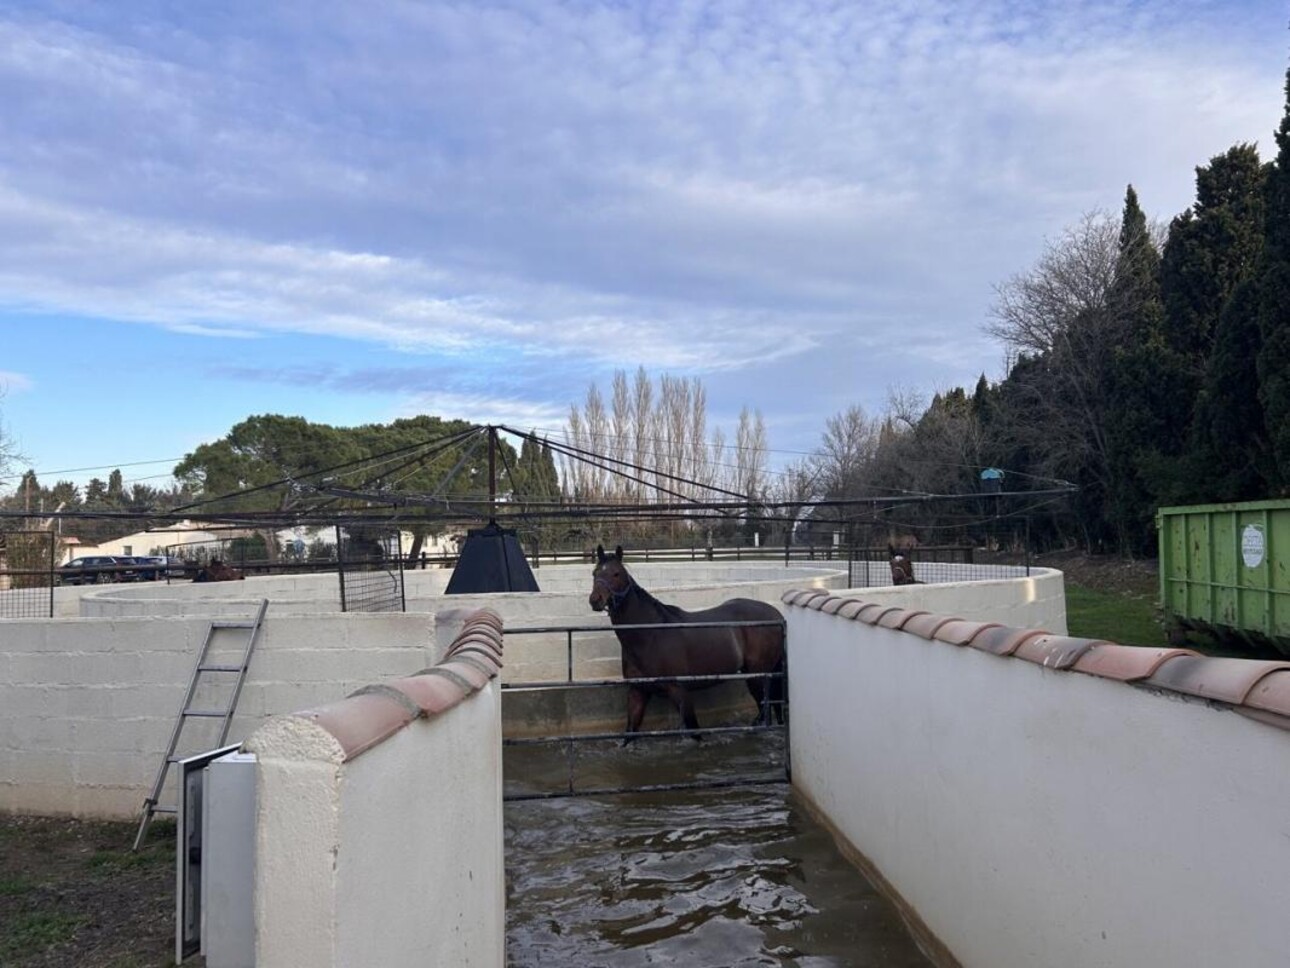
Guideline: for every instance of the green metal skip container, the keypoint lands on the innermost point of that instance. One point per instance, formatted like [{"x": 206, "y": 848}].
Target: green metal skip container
[{"x": 1225, "y": 570}]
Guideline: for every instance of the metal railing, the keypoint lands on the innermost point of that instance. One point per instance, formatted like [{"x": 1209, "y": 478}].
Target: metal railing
[{"x": 569, "y": 740}]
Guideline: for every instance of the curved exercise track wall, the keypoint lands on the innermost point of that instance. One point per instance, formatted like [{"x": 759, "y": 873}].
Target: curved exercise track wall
[{"x": 87, "y": 702}]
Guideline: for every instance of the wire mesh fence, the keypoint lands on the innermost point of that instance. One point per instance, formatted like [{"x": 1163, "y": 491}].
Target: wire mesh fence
[
  {"x": 27, "y": 574},
  {"x": 370, "y": 566}
]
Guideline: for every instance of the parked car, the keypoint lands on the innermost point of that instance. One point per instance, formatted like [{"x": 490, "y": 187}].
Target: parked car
[
  {"x": 153, "y": 567},
  {"x": 92, "y": 569}
]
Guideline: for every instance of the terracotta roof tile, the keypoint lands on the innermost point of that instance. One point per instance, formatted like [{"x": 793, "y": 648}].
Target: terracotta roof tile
[
  {"x": 870, "y": 611},
  {"x": 480, "y": 654},
  {"x": 432, "y": 694},
  {"x": 898, "y": 618},
  {"x": 960, "y": 632},
  {"x": 486, "y": 616},
  {"x": 803, "y": 596},
  {"x": 1272, "y": 719},
  {"x": 359, "y": 722},
  {"x": 851, "y": 607},
  {"x": 925, "y": 624},
  {"x": 1272, "y": 693},
  {"x": 1258, "y": 690},
  {"x": 872, "y": 616},
  {"x": 375, "y": 712},
  {"x": 1225, "y": 680},
  {"x": 468, "y": 670},
  {"x": 1002, "y": 640},
  {"x": 1127, "y": 663},
  {"x": 1055, "y": 651}
]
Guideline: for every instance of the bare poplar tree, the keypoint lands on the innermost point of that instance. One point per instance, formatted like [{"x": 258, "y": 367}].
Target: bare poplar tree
[
  {"x": 699, "y": 469},
  {"x": 718, "y": 472},
  {"x": 674, "y": 422},
  {"x": 750, "y": 454},
  {"x": 597, "y": 423},
  {"x": 620, "y": 442},
  {"x": 663, "y": 432},
  {"x": 575, "y": 471},
  {"x": 642, "y": 426}
]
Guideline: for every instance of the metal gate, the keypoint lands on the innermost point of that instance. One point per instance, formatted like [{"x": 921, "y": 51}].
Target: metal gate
[
  {"x": 370, "y": 565},
  {"x": 27, "y": 574},
  {"x": 570, "y": 741}
]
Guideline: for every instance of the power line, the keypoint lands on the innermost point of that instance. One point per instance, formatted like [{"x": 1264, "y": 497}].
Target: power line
[{"x": 104, "y": 467}]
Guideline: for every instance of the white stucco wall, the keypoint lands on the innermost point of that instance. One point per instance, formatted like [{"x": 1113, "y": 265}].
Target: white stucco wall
[
  {"x": 87, "y": 705},
  {"x": 1037, "y": 600},
  {"x": 393, "y": 858},
  {"x": 1041, "y": 818}
]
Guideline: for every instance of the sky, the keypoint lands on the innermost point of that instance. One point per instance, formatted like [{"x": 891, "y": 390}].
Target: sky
[{"x": 358, "y": 212}]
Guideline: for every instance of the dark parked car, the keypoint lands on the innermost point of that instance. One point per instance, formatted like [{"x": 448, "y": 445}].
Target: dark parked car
[
  {"x": 93, "y": 569},
  {"x": 153, "y": 567}
]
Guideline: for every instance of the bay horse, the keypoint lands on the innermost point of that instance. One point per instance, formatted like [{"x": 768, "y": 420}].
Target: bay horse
[
  {"x": 687, "y": 652},
  {"x": 902, "y": 569}
]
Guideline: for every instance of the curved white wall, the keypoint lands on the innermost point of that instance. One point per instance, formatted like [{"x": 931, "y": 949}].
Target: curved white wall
[
  {"x": 1033, "y": 817},
  {"x": 87, "y": 704}
]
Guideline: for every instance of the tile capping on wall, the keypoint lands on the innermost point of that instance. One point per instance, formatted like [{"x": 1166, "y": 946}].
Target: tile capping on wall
[
  {"x": 374, "y": 713},
  {"x": 1255, "y": 688}
]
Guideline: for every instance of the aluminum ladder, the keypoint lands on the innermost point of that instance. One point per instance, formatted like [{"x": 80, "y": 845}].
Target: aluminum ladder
[{"x": 151, "y": 806}]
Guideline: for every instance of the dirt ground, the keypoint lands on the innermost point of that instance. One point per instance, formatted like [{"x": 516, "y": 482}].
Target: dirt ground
[
  {"x": 73, "y": 894},
  {"x": 1139, "y": 578}
]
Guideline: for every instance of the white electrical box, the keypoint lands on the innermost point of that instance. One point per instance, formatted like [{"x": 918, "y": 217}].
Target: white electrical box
[{"x": 228, "y": 862}]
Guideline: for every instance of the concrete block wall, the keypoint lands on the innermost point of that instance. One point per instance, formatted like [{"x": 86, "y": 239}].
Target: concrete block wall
[
  {"x": 87, "y": 705},
  {"x": 78, "y": 693},
  {"x": 379, "y": 836},
  {"x": 1037, "y": 800}
]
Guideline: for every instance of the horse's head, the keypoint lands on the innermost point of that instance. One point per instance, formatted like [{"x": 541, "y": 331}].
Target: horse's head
[
  {"x": 902, "y": 569},
  {"x": 610, "y": 580}
]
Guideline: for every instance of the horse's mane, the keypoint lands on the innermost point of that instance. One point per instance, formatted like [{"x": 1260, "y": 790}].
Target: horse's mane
[{"x": 671, "y": 613}]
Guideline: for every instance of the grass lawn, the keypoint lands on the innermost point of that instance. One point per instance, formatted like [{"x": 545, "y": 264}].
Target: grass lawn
[{"x": 1127, "y": 618}]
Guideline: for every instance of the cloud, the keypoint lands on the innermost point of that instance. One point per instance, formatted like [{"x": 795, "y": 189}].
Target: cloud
[{"x": 586, "y": 186}]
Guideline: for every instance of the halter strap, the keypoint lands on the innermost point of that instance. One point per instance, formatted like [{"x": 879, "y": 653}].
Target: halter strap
[{"x": 616, "y": 599}]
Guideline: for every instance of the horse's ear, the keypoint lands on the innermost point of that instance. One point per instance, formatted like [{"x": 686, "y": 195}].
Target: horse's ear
[
  {"x": 618, "y": 552},
  {"x": 891, "y": 550},
  {"x": 600, "y": 553}
]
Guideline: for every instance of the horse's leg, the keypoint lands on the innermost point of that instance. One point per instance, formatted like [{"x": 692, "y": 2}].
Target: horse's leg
[
  {"x": 778, "y": 688},
  {"x": 637, "y": 700},
  {"x": 760, "y": 692},
  {"x": 685, "y": 705}
]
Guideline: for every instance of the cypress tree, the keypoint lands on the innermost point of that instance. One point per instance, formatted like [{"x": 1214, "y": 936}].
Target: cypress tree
[
  {"x": 1212, "y": 250},
  {"x": 1274, "y": 305},
  {"x": 1229, "y": 454},
  {"x": 1143, "y": 420}
]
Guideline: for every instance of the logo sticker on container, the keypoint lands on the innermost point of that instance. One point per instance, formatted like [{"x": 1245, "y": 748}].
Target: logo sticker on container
[{"x": 1252, "y": 545}]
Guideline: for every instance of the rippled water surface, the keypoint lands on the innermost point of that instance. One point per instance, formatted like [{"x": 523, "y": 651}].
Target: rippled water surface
[{"x": 729, "y": 877}]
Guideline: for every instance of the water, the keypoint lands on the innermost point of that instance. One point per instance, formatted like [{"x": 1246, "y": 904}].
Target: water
[{"x": 730, "y": 877}]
